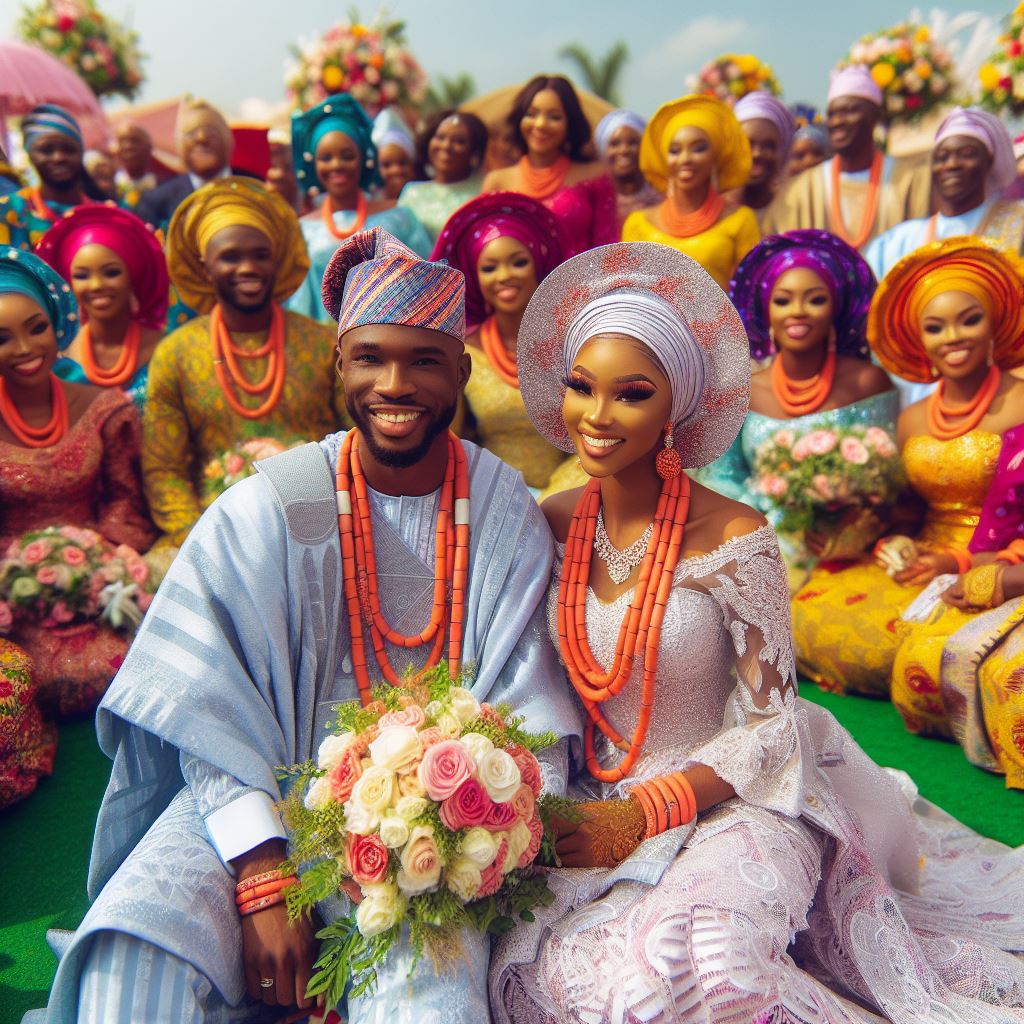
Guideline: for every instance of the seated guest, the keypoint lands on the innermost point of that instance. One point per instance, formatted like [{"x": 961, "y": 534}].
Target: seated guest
[
  {"x": 27, "y": 742},
  {"x": 769, "y": 127},
  {"x": 53, "y": 141},
  {"x": 860, "y": 192},
  {"x": 617, "y": 138},
  {"x": 550, "y": 130},
  {"x": 251, "y": 643},
  {"x": 69, "y": 457},
  {"x": 694, "y": 151},
  {"x": 246, "y": 368},
  {"x": 333, "y": 153},
  {"x": 451, "y": 150},
  {"x": 133, "y": 148},
  {"x": 505, "y": 244},
  {"x": 951, "y": 312},
  {"x": 118, "y": 273},
  {"x": 810, "y": 147}
]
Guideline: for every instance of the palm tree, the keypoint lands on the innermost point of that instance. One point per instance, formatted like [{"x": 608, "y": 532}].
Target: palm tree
[
  {"x": 444, "y": 93},
  {"x": 600, "y": 75}
]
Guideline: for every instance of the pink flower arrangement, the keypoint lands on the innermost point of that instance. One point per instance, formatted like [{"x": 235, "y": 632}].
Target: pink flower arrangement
[
  {"x": 236, "y": 464},
  {"x": 732, "y": 75}
]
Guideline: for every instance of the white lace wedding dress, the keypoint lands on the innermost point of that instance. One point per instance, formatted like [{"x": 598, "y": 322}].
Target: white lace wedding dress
[{"x": 826, "y": 890}]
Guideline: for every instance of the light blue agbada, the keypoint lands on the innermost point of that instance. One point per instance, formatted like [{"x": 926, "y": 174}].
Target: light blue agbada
[{"x": 236, "y": 667}]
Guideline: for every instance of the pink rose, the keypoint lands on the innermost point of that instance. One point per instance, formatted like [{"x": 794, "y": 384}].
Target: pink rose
[
  {"x": 469, "y": 805},
  {"x": 529, "y": 855},
  {"x": 488, "y": 714},
  {"x": 35, "y": 552},
  {"x": 874, "y": 437},
  {"x": 491, "y": 877},
  {"x": 411, "y": 716},
  {"x": 47, "y": 575},
  {"x": 773, "y": 485},
  {"x": 500, "y": 818},
  {"x": 344, "y": 775},
  {"x": 138, "y": 571},
  {"x": 431, "y": 737},
  {"x": 823, "y": 486},
  {"x": 6, "y": 616},
  {"x": 445, "y": 767},
  {"x": 524, "y": 803},
  {"x": 61, "y": 612},
  {"x": 367, "y": 859},
  {"x": 73, "y": 556},
  {"x": 821, "y": 442},
  {"x": 783, "y": 438},
  {"x": 529, "y": 768},
  {"x": 234, "y": 464},
  {"x": 801, "y": 449},
  {"x": 854, "y": 451}
]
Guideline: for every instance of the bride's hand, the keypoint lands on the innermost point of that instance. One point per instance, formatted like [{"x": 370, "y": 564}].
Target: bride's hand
[{"x": 610, "y": 830}]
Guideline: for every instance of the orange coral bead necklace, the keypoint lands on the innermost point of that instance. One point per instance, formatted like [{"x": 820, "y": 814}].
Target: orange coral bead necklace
[
  {"x": 127, "y": 361},
  {"x": 45, "y": 436},
  {"x": 686, "y": 225},
  {"x": 967, "y": 415},
  {"x": 802, "y": 397},
  {"x": 640, "y": 632},
  {"x": 498, "y": 355},
  {"x": 543, "y": 182},
  {"x": 327, "y": 211},
  {"x": 867, "y": 220},
  {"x": 226, "y": 356},
  {"x": 359, "y": 567}
]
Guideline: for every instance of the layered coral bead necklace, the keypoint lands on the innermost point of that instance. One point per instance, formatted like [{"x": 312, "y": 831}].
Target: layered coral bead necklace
[
  {"x": 359, "y": 567},
  {"x": 327, "y": 211},
  {"x": 686, "y": 225},
  {"x": 542, "y": 182},
  {"x": 947, "y": 421},
  {"x": 37, "y": 437},
  {"x": 498, "y": 355},
  {"x": 127, "y": 361},
  {"x": 226, "y": 356},
  {"x": 802, "y": 397},
  {"x": 867, "y": 220},
  {"x": 640, "y": 632}
]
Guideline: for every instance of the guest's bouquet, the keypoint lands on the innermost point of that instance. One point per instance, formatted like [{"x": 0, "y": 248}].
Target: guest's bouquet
[
  {"x": 732, "y": 75},
  {"x": 238, "y": 462},
  {"x": 102, "y": 52},
  {"x": 429, "y": 803},
  {"x": 370, "y": 62},
  {"x": 1001, "y": 77},
  {"x": 62, "y": 575},
  {"x": 914, "y": 71},
  {"x": 815, "y": 475}
]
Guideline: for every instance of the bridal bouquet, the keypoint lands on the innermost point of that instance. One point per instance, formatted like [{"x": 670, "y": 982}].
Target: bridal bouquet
[
  {"x": 63, "y": 574},
  {"x": 818, "y": 473},
  {"x": 222, "y": 471},
  {"x": 429, "y": 803}
]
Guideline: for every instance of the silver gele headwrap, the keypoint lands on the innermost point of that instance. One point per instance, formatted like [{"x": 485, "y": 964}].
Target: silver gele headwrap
[{"x": 655, "y": 323}]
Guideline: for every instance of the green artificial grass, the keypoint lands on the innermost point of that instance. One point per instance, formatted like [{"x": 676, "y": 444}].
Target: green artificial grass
[{"x": 46, "y": 839}]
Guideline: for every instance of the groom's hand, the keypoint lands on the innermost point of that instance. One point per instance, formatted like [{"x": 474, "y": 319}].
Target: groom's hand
[{"x": 273, "y": 948}]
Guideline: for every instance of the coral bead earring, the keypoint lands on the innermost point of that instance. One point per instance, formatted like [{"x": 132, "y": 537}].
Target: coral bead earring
[{"x": 668, "y": 464}]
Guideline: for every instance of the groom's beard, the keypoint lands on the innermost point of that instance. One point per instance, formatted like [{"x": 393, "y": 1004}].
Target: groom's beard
[{"x": 401, "y": 458}]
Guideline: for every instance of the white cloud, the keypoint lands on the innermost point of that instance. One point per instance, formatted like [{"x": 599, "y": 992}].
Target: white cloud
[{"x": 700, "y": 38}]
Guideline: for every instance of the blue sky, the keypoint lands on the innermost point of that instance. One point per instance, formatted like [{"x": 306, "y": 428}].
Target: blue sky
[{"x": 228, "y": 50}]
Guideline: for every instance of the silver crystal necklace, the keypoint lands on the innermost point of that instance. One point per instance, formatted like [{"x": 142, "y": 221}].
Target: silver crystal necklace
[{"x": 619, "y": 563}]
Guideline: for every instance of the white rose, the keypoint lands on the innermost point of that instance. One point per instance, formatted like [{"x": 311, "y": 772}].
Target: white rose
[
  {"x": 518, "y": 839},
  {"x": 382, "y": 908},
  {"x": 397, "y": 747},
  {"x": 465, "y": 706},
  {"x": 434, "y": 709},
  {"x": 394, "y": 831},
  {"x": 361, "y": 819},
  {"x": 421, "y": 862},
  {"x": 449, "y": 725},
  {"x": 463, "y": 878},
  {"x": 410, "y": 785},
  {"x": 479, "y": 746},
  {"x": 331, "y": 750},
  {"x": 318, "y": 795},
  {"x": 375, "y": 789},
  {"x": 479, "y": 846},
  {"x": 499, "y": 775},
  {"x": 410, "y": 807}
]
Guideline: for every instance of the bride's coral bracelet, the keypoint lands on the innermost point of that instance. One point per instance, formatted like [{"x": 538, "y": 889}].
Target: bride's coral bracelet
[
  {"x": 668, "y": 802},
  {"x": 267, "y": 889},
  {"x": 252, "y": 906}
]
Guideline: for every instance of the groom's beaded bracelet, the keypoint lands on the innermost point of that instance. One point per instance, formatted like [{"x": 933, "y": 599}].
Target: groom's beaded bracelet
[
  {"x": 253, "y": 880},
  {"x": 252, "y": 906},
  {"x": 266, "y": 889}
]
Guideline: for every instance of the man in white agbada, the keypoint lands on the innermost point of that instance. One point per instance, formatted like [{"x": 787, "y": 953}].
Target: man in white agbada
[{"x": 246, "y": 649}]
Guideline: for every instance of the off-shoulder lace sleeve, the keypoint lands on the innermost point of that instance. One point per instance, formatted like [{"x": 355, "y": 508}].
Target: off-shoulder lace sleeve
[{"x": 758, "y": 751}]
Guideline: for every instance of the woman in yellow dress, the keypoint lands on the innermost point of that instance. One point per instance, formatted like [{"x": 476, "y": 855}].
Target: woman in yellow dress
[
  {"x": 952, "y": 311},
  {"x": 694, "y": 150},
  {"x": 505, "y": 244}
]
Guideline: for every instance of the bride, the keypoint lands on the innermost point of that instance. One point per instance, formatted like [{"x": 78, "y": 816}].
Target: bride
[{"x": 737, "y": 856}]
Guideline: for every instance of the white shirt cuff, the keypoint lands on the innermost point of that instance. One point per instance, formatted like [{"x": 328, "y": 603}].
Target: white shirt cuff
[{"x": 243, "y": 824}]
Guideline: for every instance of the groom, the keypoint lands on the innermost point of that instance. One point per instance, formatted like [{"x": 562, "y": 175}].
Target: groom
[{"x": 247, "y": 647}]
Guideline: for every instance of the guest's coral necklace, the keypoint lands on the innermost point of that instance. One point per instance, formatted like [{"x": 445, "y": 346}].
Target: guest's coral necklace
[
  {"x": 42, "y": 209},
  {"x": 359, "y": 567},
  {"x": 686, "y": 225},
  {"x": 127, "y": 361},
  {"x": 500, "y": 358},
  {"x": 327, "y": 212},
  {"x": 802, "y": 397},
  {"x": 229, "y": 373},
  {"x": 867, "y": 220},
  {"x": 542, "y": 182},
  {"x": 968, "y": 415},
  {"x": 37, "y": 437},
  {"x": 641, "y": 626}
]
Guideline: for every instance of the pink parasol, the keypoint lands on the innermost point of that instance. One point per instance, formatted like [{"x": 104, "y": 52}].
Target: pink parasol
[{"x": 30, "y": 76}]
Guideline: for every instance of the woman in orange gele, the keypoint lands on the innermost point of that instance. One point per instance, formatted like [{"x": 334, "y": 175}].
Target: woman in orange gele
[
  {"x": 951, "y": 312},
  {"x": 694, "y": 150},
  {"x": 550, "y": 128}
]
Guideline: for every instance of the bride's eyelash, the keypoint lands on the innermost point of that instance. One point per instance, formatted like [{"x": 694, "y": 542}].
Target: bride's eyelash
[
  {"x": 636, "y": 392},
  {"x": 577, "y": 384}
]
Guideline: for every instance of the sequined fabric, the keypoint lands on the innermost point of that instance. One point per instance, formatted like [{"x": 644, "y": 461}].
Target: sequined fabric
[
  {"x": 587, "y": 213},
  {"x": 845, "y": 618},
  {"x": 27, "y": 743},
  {"x": 432, "y": 202}
]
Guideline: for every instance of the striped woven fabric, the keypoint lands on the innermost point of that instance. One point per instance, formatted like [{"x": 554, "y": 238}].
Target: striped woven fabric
[{"x": 374, "y": 279}]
